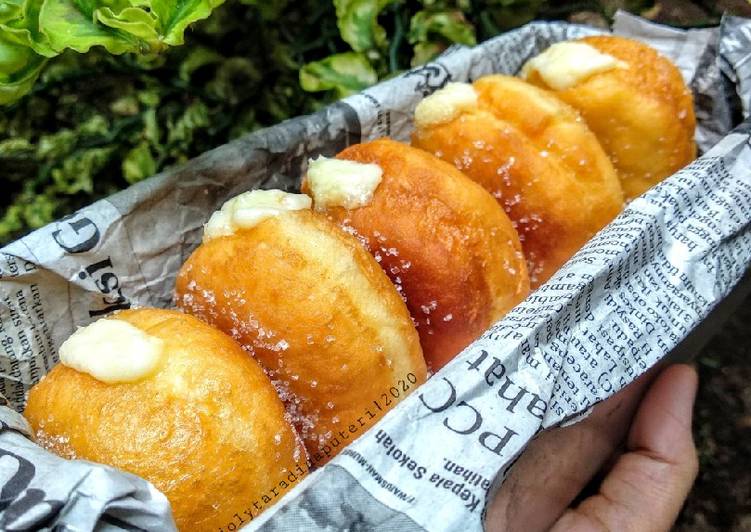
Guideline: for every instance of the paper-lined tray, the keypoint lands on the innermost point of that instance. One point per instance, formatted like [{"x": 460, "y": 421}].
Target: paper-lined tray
[{"x": 621, "y": 304}]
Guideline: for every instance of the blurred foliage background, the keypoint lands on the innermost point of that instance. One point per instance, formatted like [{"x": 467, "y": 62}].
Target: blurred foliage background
[{"x": 94, "y": 123}]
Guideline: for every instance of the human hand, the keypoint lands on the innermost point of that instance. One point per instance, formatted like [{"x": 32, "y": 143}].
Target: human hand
[{"x": 646, "y": 488}]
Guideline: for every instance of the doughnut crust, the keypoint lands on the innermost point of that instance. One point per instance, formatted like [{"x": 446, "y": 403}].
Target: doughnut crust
[
  {"x": 642, "y": 114},
  {"x": 207, "y": 428},
  {"x": 557, "y": 128},
  {"x": 450, "y": 250},
  {"x": 534, "y": 154},
  {"x": 317, "y": 312}
]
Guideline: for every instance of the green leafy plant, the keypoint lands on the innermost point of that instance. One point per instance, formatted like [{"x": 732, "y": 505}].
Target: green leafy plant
[
  {"x": 93, "y": 123},
  {"x": 384, "y": 37},
  {"x": 78, "y": 126},
  {"x": 429, "y": 27},
  {"x": 32, "y": 31}
]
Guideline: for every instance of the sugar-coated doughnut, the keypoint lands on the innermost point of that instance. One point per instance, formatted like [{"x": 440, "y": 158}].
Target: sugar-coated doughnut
[
  {"x": 535, "y": 155},
  {"x": 312, "y": 306},
  {"x": 181, "y": 405},
  {"x": 557, "y": 129},
  {"x": 444, "y": 241},
  {"x": 633, "y": 98}
]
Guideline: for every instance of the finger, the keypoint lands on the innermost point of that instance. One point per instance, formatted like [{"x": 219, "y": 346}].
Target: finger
[{"x": 646, "y": 488}]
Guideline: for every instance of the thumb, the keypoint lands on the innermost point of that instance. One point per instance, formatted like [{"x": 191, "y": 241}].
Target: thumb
[{"x": 646, "y": 488}]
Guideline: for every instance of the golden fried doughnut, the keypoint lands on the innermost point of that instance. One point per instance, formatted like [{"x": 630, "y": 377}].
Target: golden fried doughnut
[
  {"x": 633, "y": 99},
  {"x": 441, "y": 238},
  {"x": 314, "y": 308},
  {"x": 556, "y": 128},
  {"x": 535, "y": 155},
  {"x": 204, "y": 424}
]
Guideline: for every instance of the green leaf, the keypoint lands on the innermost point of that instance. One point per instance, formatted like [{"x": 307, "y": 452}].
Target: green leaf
[
  {"x": 39, "y": 211},
  {"x": 17, "y": 162},
  {"x": 151, "y": 130},
  {"x": 358, "y": 23},
  {"x": 198, "y": 57},
  {"x": 48, "y": 27},
  {"x": 132, "y": 21},
  {"x": 96, "y": 126},
  {"x": 15, "y": 147},
  {"x": 126, "y": 105},
  {"x": 149, "y": 97},
  {"x": 77, "y": 171},
  {"x": 81, "y": 25},
  {"x": 345, "y": 73},
  {"x": 120, "y": 25},
  {"x": 60, "y": 144},
  {"x": 451, "y": 25},
  {"x": 12, "y": 222},
  {"x": 176, "y": 15},
  {"x": 20, "y": 64},
  {"x": 57, "y": 145},
  {"x": 20, "y": 24},
  {"x": 139, "y": 163},
  {"x": 19, "y": 69},
  {"x": 195, "y": 117},
  {"x": 29, "y": 210},
  {"x": 13, "y": 57},
  {"x": 10, "y": 10}
]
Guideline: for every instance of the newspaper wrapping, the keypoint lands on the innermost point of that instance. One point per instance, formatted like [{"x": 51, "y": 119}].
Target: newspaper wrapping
[{"x": 614, "y": 310}]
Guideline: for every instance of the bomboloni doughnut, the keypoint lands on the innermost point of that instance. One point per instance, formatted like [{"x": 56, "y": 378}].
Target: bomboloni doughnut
[
  {"x": 443, "y": 240},
  {"x": 633, "y": 98},
  {"x": 162, "y": 395},
  {"x": 534, "y": 154},
  {"x": 312, "y": 306},
  {"x": 556, "y": 128}
]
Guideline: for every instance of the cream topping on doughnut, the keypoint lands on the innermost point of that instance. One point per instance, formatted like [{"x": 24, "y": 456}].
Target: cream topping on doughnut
[
  {"x": 248, "y": 209},
  {"x": 111, "y": 351},
  {"x": 445, "y": 104},
  {"x": 342, "y": 183},
  {"x": 565, "y": 64}
]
